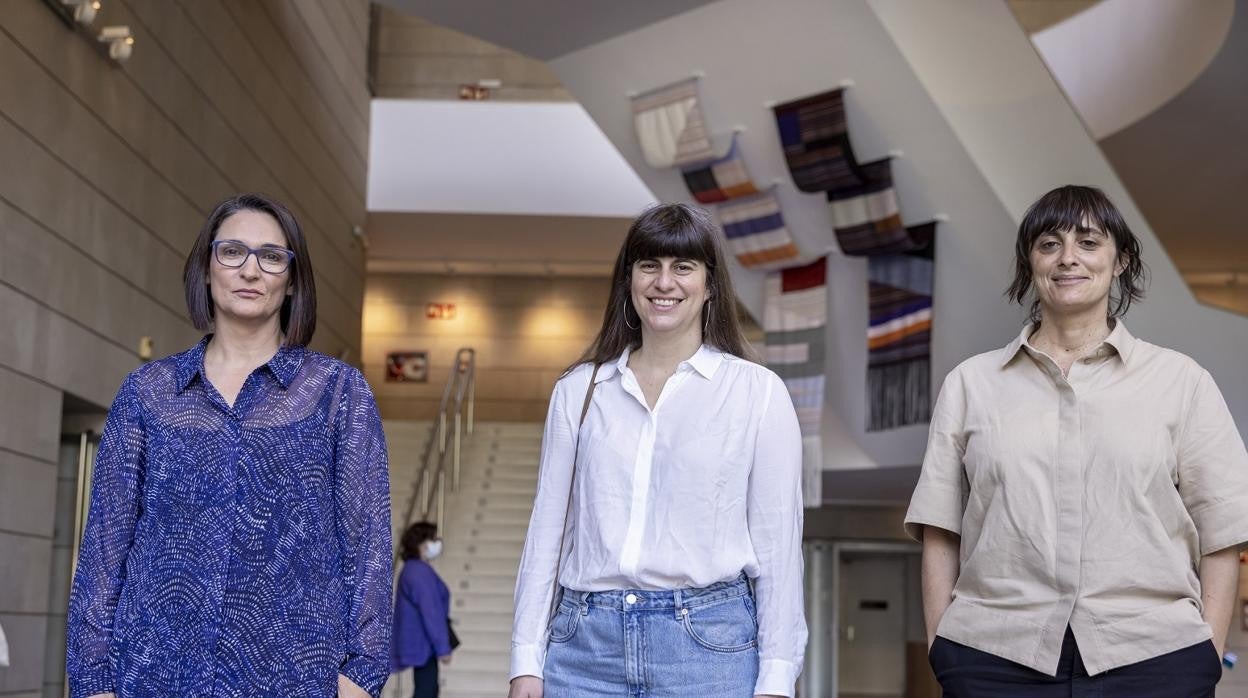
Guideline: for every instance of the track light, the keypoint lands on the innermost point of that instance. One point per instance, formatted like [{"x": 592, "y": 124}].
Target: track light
[
  {"x": 120, "y": 43},
  {"x": 84, "y": 10}
]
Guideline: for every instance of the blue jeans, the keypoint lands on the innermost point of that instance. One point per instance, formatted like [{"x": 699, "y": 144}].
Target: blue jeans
[{"x": 656, "y": 644}]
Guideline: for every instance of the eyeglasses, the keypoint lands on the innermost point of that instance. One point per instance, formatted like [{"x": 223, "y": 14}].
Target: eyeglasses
[{"x": 234, "y": 254}]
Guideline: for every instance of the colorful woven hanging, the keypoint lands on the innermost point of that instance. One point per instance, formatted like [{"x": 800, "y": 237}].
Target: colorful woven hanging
[
  {"x": 754, "y": 227},
  {"x": 899, "y": 386},
  {"x": 795, "y": 316},
  {"x": 815, "y": 137},
  {"x": 670, "y": 126},
  {"x": 866, "y": 217},
  {"x": 720, "y": 179}
]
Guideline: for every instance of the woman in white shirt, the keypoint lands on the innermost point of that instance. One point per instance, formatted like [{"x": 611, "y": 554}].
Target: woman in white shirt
[{"x": 663, "y": 556}]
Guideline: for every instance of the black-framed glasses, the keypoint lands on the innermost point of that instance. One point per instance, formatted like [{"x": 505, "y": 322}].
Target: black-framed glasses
[{"x": 234, "y": 254}]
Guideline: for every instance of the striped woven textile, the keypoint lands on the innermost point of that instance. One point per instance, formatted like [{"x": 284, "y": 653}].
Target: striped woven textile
[
  {"x": 670, "y": 126},
  {"x": 795, "y": 317},
  {"x": 866, "y": 217},
  {"x": 754, "y": 227},
  {"x": 721, "y": 179},
  {"x": 899, "y": 386},
  {"x": 815, "y": 137}
]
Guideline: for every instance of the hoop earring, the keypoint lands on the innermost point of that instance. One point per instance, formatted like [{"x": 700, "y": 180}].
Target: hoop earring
[
  {"x": 706, "y": 324},
  {"x": 638, "y": 327}
]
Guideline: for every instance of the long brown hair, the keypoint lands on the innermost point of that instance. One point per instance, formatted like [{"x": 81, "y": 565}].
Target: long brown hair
[{"x": 669, "y": 230}]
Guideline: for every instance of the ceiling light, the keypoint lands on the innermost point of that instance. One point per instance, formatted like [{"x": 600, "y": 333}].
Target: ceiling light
[
  {"x": 84, "y": 10},
  {"x": 120, "y": 43}
]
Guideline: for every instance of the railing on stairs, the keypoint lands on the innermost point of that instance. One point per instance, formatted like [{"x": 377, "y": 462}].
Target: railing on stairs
[{"x": 455, "y": 417}]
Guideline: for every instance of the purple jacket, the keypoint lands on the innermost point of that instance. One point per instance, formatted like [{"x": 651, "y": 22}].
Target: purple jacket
[{"x": 422, "y": 604}]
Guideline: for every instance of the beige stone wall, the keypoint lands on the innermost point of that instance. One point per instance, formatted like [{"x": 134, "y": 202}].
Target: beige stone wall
[
  {"x": 416, "y": 59},
  {"x": 108, "y": 172},
  {"x": 525, "y": 330}
]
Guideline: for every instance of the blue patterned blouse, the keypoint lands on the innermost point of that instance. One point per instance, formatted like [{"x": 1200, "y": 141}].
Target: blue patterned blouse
[{"x": 236, "y": 551}]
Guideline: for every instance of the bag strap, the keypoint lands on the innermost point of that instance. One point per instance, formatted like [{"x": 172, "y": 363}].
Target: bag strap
[{"x": 589, "y": 396}]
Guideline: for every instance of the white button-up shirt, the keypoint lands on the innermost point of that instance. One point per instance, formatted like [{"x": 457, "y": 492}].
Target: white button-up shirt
[{"x": 699, "y": 489}]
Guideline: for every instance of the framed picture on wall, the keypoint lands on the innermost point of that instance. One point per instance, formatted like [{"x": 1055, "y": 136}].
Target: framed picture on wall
[{"x": 407, "y": 367}]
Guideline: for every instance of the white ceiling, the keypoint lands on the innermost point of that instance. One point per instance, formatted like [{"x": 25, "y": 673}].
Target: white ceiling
[{"x": 533, "y": 158}]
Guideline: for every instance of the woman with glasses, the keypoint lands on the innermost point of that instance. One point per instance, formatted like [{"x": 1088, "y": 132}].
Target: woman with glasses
[{"x": 238, "y": 542}]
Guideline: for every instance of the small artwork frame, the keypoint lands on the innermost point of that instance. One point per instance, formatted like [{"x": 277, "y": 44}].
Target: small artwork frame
[{"x": 407, "y": 367}]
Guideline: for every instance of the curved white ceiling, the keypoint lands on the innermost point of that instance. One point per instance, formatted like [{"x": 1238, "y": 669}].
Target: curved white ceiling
[{"x": 1120, "y": 60}]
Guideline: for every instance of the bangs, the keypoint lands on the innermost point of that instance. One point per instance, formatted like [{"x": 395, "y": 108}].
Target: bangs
[
  {"x": 1069, "y": 208},
  {"x": 682, "y": 241}
]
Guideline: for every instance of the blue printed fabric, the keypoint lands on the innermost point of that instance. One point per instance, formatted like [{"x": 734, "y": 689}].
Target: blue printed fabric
[{"x": 235, "y": 550}]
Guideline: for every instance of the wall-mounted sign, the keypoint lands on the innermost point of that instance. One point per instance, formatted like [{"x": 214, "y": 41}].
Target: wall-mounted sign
[
  {"x": 440, "y": 311},
  {"x": 407, "y": 367}
]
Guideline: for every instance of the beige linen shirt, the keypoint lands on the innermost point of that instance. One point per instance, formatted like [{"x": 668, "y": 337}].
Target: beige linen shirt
[{"x": 1085, "y": 499}]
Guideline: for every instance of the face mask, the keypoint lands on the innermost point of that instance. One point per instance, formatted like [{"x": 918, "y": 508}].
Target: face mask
[{"x": 430, "y": 550}]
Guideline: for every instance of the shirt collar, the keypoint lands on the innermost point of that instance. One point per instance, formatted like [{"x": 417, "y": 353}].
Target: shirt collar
[
  {"x": 1120, "y": 341},
  {"x": 706, "y": 360},
  {"x": 284, "y": 365}
]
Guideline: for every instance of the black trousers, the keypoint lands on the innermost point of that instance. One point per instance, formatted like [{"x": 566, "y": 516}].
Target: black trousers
[
  {"x": 425, "y": 677},
  {"x": 964, "y": 672}
]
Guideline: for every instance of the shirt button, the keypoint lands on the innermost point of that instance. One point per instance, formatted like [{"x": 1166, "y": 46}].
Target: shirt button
[{"x": 631, "y": 598}]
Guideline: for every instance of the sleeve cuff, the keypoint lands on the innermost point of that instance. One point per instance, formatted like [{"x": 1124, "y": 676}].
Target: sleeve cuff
[
  {"x": 526, "y": 660},
  {"x": 776, "y": 677},
  {"x": 1222, "y": 525},
  {"x": 92, "y": 682},
  {"x": 933, "y": 506},
  {"x": 367, "y": 673}
]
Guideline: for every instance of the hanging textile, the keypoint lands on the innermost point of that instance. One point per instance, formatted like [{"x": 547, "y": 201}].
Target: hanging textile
[
  {"x": 755, "y": 231},
  {"x": 720, "y": 179},
  {"x": 670, "y": 126},
  {"x": 795, "y": 316},
  {"x": 899, "y": 386},
  {"x": 815, "y": 137},
  {"x": 866, "y": 217}
]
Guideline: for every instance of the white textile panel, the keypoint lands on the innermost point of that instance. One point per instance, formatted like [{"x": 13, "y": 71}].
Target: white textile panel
[{"x": 670, "y": 127}]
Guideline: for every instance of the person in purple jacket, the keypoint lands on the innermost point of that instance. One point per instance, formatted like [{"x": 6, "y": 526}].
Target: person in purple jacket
[{"x": 422, "y": 606}]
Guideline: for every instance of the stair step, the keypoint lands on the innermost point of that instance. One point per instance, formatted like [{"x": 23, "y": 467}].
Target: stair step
[
  {"x": 472, "y": 621},
  {"x": 484, "y": 604},
  {"x": 462, "y": 562},
  {"x": 464, "y": 517}
]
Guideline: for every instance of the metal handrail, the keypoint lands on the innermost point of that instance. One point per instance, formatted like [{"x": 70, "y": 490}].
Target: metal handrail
[{"x": 458, "y": 401}]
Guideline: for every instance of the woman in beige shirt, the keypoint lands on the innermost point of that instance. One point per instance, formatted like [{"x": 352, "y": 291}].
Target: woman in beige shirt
[{"x": 1084, "y": 492}]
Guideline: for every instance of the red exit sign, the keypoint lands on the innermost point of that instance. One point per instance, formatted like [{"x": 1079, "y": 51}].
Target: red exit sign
[{"x": 440, "y": 311}]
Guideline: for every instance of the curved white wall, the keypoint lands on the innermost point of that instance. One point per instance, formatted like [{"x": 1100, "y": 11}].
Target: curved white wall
[{"x": 1119, "y": 60}]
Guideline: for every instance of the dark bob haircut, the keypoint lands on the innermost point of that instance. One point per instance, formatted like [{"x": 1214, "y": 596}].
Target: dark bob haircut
[
  {"x": 1078, "y": 208},
  {"x": 298, "y": 314},
  {"x": 669, "y": 230},
  {"x": 413, "y": 537}
]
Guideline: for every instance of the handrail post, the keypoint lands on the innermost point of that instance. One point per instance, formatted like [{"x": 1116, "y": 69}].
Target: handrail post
[
  {"x": 442, "y": 431},
  {"x": 441, "y": 504},
  {"x": 472, "y": 394},
  {"x": 455, "y": 455}
]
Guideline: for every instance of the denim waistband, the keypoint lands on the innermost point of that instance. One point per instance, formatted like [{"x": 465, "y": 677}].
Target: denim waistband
[{"x": 642, "y": 600}]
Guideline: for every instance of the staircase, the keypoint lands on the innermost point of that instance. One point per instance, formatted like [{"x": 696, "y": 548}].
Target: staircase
[{"x": 484, "y": 532}]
